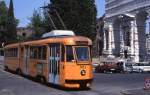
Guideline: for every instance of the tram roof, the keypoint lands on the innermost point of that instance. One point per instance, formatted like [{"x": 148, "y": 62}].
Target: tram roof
[{"x": 66, "y": 40}]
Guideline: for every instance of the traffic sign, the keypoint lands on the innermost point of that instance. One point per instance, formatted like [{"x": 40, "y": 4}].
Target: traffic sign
[{"x": 147, "y": 84}]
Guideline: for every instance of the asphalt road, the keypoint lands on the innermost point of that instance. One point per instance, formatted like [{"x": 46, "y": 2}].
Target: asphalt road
[{"x": 103, "y": 84}]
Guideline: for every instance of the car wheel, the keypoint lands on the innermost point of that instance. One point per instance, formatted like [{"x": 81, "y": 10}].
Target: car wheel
[
  {"x": 122, "y": 72},
  {"x": 104, "y": 71},
  {"x": 140, "y": 71},
  {"x": 6, "y": 68},
  {"x": 43, "y": 80}
]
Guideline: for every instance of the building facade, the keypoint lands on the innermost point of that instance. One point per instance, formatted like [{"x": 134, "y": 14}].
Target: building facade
[
  {"x": 24, "y": 32},
  {"x": 148, "y": 46},
  {"x": 125, "y": 28}
]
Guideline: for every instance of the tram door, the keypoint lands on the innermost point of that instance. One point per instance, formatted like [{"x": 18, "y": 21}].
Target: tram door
[
  {"x": 54, "y": 60},
  {"x": 26, "y": 60}
]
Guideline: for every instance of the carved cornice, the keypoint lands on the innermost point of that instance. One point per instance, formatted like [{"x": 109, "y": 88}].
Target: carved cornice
[{"x": 128, "y": 8}]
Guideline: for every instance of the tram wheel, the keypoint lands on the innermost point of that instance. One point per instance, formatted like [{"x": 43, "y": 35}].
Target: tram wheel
[
  {"x": 6, "y": 68},
  {"x": 41, "y": 79},
  {"x": 18, "y": 71}
]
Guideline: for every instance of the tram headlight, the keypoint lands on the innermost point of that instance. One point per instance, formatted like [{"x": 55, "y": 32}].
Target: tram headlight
[{"x": 83, "y": 72}]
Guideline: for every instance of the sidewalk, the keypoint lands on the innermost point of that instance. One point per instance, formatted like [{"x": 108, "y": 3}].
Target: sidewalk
[
  {"x": 136, "y": 92},
  {"x": 1, "y": 65}
]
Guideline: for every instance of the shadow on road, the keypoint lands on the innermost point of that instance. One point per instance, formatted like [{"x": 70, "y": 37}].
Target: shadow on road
[{"x": 49, "y": 84}]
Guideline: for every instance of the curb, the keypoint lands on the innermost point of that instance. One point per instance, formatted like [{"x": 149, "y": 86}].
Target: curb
[
  {"x": 1, "y": 65},
  {"x": 135, "y": 92},
  {"x": 126, "y": 93}
]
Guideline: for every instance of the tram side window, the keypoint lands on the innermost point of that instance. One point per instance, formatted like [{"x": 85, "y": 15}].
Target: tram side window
[
  {"x": 62, "y": 53},
  {"x": 42, "y": 52},
  {"x": 38, "y": 52},
  {"x": 13, "y": 52},
  {"x": 33, "y": 52},
  {"x": 69, "y": 53}
]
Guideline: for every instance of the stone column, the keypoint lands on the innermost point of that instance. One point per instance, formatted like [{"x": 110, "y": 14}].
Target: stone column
[
  {"x": 112, "y": 41},
  {"x": 104, "y": 49},
  {"x": 111, "y": 45},
  {"x": 134, "y": 42},
  {"x": 121, "y": 41},
  {"x": 141, "y": 19},
  {"x": 116, "y": 34}
]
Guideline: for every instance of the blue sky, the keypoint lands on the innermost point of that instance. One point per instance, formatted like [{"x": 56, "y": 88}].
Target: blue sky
[{"x": 24, "y": 8}]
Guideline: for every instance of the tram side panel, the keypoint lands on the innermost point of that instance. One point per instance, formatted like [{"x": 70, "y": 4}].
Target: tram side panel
[
  {"x": 46, "y": 65},
  {"x": 12, "y": 63},
  {"x": 62, "y": 74},
  {"x": 21, "y": 56},
  {"x": 41, "y": 66},
  {"x": 38, "y": 62},
  {"x": 62, "y": 66},
  {"x": 32, "y": 67},
  {"x": 25, "y": 61},
  {"x": 11, "y": 59}
]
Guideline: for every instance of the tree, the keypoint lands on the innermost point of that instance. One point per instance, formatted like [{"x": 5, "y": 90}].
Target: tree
[
  {"x": 78, "y": 15},
  {"x": 46, "y": 22},
  {"x": 3, "y": 21},
  {"x": 36, "y": 24},
  {"x": 3, "y": 13},
  {"x": 8, "y": 23},
  {"x": 11, "y": 24}
]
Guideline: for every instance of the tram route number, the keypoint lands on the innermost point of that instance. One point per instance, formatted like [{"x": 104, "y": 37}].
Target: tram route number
[{"x": 83, "y": 67}]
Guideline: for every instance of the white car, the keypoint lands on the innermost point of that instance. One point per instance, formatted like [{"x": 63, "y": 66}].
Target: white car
[
  {"x": 125, "y": 66},
  {"x": 94, "y": 65},
  {"x": 141, "y": 67}
]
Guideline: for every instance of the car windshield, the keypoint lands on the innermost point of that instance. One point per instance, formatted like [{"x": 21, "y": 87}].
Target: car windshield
[
  {"x": 82, "y": 53},
  {"x": 128, "y": 64}
]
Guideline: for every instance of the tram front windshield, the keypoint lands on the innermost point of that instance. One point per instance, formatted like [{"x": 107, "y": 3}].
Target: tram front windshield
[
  {"x": 82, "y": 53},
  {"x": 79, "y": 53}
]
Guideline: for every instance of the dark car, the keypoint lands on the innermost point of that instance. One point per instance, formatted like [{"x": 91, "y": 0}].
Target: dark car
[
  {"x": 124, "y": 67},
  {"x": 106, "y": 67}
]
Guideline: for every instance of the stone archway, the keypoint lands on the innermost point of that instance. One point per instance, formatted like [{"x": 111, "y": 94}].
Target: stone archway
[
  {"x": 125, "y": 33},
  {"x": 116, "y": 31},
  {"x": 141, "y": 18}
]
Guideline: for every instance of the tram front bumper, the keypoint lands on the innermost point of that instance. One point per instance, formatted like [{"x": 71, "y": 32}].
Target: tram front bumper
[{"x": 86, "y": 83}]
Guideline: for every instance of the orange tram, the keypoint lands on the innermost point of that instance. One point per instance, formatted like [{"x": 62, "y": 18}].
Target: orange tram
[{"x": 60, "y": 60}]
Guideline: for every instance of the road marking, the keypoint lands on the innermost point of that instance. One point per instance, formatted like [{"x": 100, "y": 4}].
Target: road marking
[{"x": 6, "y": 92}]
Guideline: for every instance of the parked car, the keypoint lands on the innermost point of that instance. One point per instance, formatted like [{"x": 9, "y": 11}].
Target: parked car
[
  {"x": 124, "y": 67},
  {"x": 94, "y": 65},
  {"x": 106, "y": 67},
  {"x": 141, "y": 67}
]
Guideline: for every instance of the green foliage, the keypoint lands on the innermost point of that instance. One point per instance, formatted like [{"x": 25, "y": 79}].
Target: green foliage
[
  {"x": 3, "y": 21},
  {"x": 78, "y": 15},
  {"x": 40, "y": 23},
  {"x": 46, "y": 22},
  {"x": 3, "y": 13},
  {"x": 36, "y": 25},
  {"x": 21, "y": 38},
  {"x": 11, "y": 24},
  {"x": 8, "y": 23}
]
